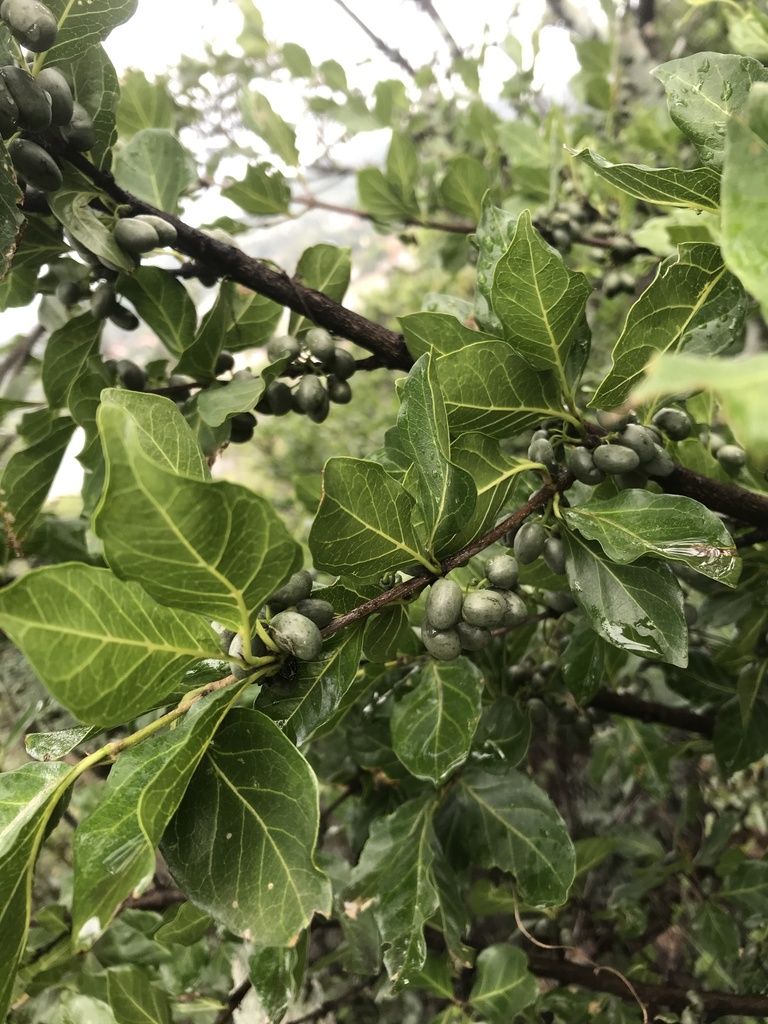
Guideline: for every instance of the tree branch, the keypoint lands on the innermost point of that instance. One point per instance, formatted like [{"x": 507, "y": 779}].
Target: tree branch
[
  {"x": 646, "y": 711},
  {"x": 428, "y": 8},
  {"x": 715, "y": 1004},
  {"x": 394, "y": 55},
  {"x": 156, "y": 899},
  {"x": 234, "y": 1002},
  {"x": 20, "y": 353},
  {"x": 417, "y": 222}
]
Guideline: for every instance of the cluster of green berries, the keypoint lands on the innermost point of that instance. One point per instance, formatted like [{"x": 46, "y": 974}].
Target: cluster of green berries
[
  {"x": 456, "y": 622},
  {"x": 730, "y": 456},
  {"x": 293, "y": 623},
  {"x": 41, "y": 105},
  {"x": 325, "y": 372}
]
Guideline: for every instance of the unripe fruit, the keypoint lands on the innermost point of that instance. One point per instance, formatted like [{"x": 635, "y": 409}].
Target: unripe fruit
[
  {"x": 297, "y": 588},
  {"x": 674, "y": 422},
  {"x": 36, "y": 166},
  {"x": 529, "y": 542},
  {"x": 443, "y": 644},
  {"x": 484, "y": 608},
  {"x": 135, "y": 235},
  {"x": 258, "y": 650},
  {"x": 320, "y": 414},
  {"x": 103, "y": 301},
  {"x": 132, "y": 377},
  {"x": 502, "y": 572},
  {"x": 554, "y": 555},
  {"x": 80, "y": 132},
  {"x": 639, "y": 440},
  {"x": 343, "y": 364},
  {"x": 62, "y": 101},
  {"x": 615, "y": 458},
  {"x": 339, "y": 391},
  {"x": 558, "y": 601},
  {"x": 242, "y": 426},
  {"x": 311, "y": 396},
  {"x": 9, "y": 112},
  {"x": 225, "y": 362},
  {"x": 285, "y": 345},
  {"x": 540, "y": 434},
  {"x": 515, "y": 612},
  {"x": 226, "y": 636},
  {"x": 68, "y": 293},
  {"x": 443, "y": 605},
  {"x": 33, "y": 104},
  {"x": 277, "y": 397},
  {"x": 472, "y": 638},
  {"x": 296, "y": 634},
  {"x": 166, "y": 233},
  {"x": 31, "y": 22},
  {"x": 582, "y": 465},
  {"x": 316, "y": 609},
  {"x": 320, "y": 344},
  {"x": 123, "y": 318},
  {"x": 662, "y": 463},
  {"x": 612, "y": 420},
  {"x": 542, "y": 451},
  {"x": 730, "y": 456}
]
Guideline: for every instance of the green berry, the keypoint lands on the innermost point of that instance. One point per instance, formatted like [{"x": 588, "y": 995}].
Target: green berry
[
  {"x": 297, "y": 588},
  {"x": 285, "y": 345},
  {"x": 542, "y": 451},
  {"x": 662, "y": 463},
  {"x": 242, "y": 426},
  {"x": 296, "y": 634},
  {"x": 31, "y": 22},
  {"x": 443, "y": 644},
  {"x": 277, "y": 396},
  {"x": 554, "y": 555},
  {"x": 529, "y": 542},
  {"x": 316, "y": 609},
  {"x": 614, "y": 458},
  {"x": 311, "y": 396},
  {"x": 472, "y": 638},
  {"x": 515, "y": 612},
  {"x": 33, "y": 104},
  {"x": 339, "y": 391},
  {"x": 132, "y": 377},
  {"x": 443, "y": 605},
  {"x": 674, "y": 422},
  {"x": 343, "y": 364},
  {"x": 484, "y": 608},
  {"x": 320, "y": 345},
  {"x": 135, "y": 235},
  {"x": 166, "y": 233},
  {"x": 55, "y": 84},
  {"x": 123, "y": 318},
  {"x": 80, "y": 132},
  {"x": 639, "y": 440},
  {"x": 225, "y": 362},
  {"x": 226, "y": 636},
  {"x": 582, "y": 465},
  {"x": 730, "y": 456},
  {"x": 37, "y": 167},
  {"x": 502, "y": 572},
  {"x": 235, "y": 650}
]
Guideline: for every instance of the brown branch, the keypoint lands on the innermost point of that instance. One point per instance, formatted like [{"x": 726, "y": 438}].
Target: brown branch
[
  {"x": 428, "y": 8},
  {"x": 332, "y": 1004},
  {"x": 417, "y": 222},
  {"x": 156, "y": 899},
  {"x": 21, "y": 351},
  {"x": 714, "y": 1003},
  {"x": 729, "y": 499},
  {"x": 646, "y": 711},
  {"x": 234, "y": 1002},
  {"x": 392, "y": 54}
]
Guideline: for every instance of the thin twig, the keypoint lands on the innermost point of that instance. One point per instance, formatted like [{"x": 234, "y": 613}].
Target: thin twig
[
  {"x": 394, "y": 55},
  {"x": 234, "y": 1002},
  {"x": 417, "y": 222},
  {"x": 332, "y": 1004},
  {"x": 428, "y": 8},
  {"x": 17, "y": 358}
]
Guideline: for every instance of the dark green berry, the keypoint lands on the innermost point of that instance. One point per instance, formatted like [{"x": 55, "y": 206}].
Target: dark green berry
[
  {"x": 297, "y": 588},
  {"x": 613, "y": 458},
  {"x": 339, "y": 391},
  {"x": 343, "y": 364},
  {"x": 443, "y": 644},
  {"x": 674, "y": 422},
  {"x": 132, "y": 377},
  {"x": 443, "y": 605},
  {"x": 484, "y": 608},
  {"x": 242, "y": 427},
  {"x": 502, "y": 572},
  {"x": 582, "y": 465},
  {"x": 554, "y": 555},
  {"x": 296, "y": 634},
  {"x": 638, "y": 439},
  {"x": 529, "y": 542},
  {"x": 225, "y": 362},
  {"x": 316, "y": 609}
]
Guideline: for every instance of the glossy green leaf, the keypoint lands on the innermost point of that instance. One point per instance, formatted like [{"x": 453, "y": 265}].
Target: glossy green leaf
[
  {"x": 704, "y": 92},
  {"x": 440, "y": 333},
  {"x": 301, "y": 705},
  {"x": 259, "y": 116},
  {"x": 506, "y": 821},
  {"x": 488, "y": 388},
  {"x": 738, "y": 384},
  {"x": 11, "y": 218},
  {"x": 583, "y": 662},
  {"x": 154, "y": 166},
  {"x": 364, "y": 526},
  {"x": 636, "y": 523},
  {"x": 67, "y": 354},
  {"x": 745, "y": 206},
  {"x": 40, "y": 243},
  {"x": 638, "y": 607},
  {"x": 199, "y": 358},
  {"x": 53, "y": 746},
  {"x": 28, "y": 797},
  {"x": 105, "y": 649},
  {"x": 383, "y": 633},
  {"x": 446, "y": 493},
  {"x": 254, "y": 319},
  {"x": 394, "y": 869},
  {"x": 403, "y": 170},
  {"x": 183, "y": 925},
  {"x": 540, "y": 302},
  {"x": 164, "y": 531},
  {"x": 263, "y": 191},
  {"x": 465, "y": 183},
  {"x": 114, "y": 847},
  {"x": 252, "y": 809},
  {"x": 71, "y": 205},
  {"x": 735, "y": 744},
  {"x": 144, "y": 104},
  {"x": 693, "y": 303},
  {"x": 162, "y": 302},
  {"x": 434, "y": 723},
  {"x": 273, "y": 971},
  {"x": 697, "y": 189},
  {"x": 216, "y": 404},
  {"x": 379, "y": 198},
  {"x": 503, "y": 734},
  {"x": 134, "y": 999},
  {"x": 325, "y": 268},
  {"x": 748, "y": 31},
  {"x": 497, "y": 477},
  {"x": 747, "y": 887},
  {"x": 495, "y": 231},
  {"x": 28, "y": 476},
  {"x": 503, "y": 984}
]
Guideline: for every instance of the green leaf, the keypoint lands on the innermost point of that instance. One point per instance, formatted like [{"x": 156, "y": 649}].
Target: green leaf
[
  {"x": 11, "y": 218},
  {"x": 512, "y": 824},
  {"x": 199, "y": 358},
  {"x": 745, "y": 206},
  {"x": 488, "y": 388},
  {"x": 638, "y": 608},
  {"x": 325, "y": 268},
  {"x": 28, "y": 797},
  {"x": 66, "y": 356},
  {"x": 685, "y": 306},
  {"x": 379, "y": 198},
  {"x": 183, "y": 925},
  {"x": 504, "y": 732},
  {"x": 496, "y": 476},
  {"x": 383, "y": 633},
  {"x": 162, "y": 302},
  {"x": 582, "y": 663},
  {"x": 495, "y": 231},
  {"x": 636, "y": 523},
  {"x": 114, "y": 847},
  {"x": 105, "y": 649},
  {"x": 364, "y": 526},
  {"x": 144, "y": 104},
  {"x": 465, "y": 183},
  {"x": 302, "y": 705},
  {"x": 217, "y": 403},
  {"x": 403, "y": 171},
  {"x": 155, "y": 166},
  {"x": 28, "y": 476},
  {"x": 747, "y": 887},
  {"x": 53, "y": 746},
  {"x": 39, "y": 243},
  {"x": 739, "y": 385},
  {"x": 433, "y": 725},
  {"x": 297, "y": 60},
  {"x": 252, "y": 809},
  {"x": 446, "y": 493},
  {"x": 704, "y": 92},
  {"x": 254, "y": 319},
  {"x": 71, "y": 206},
  {"x": 503, "y": 984},
  {"x": 440, "y": 333},
  {"x": 165, "y": 531},
  {"x": 273, "y": 971},
  {"x": 395, "y": 870},
  {"x": 737, "y": 746},
  {"x": 540, "y": 302},
  {"x": 697, "y": 189},
  {"x": 263, "y": 191},
  {"x": 134, "y": 999},
  {"x": 259, "y": 116}
]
